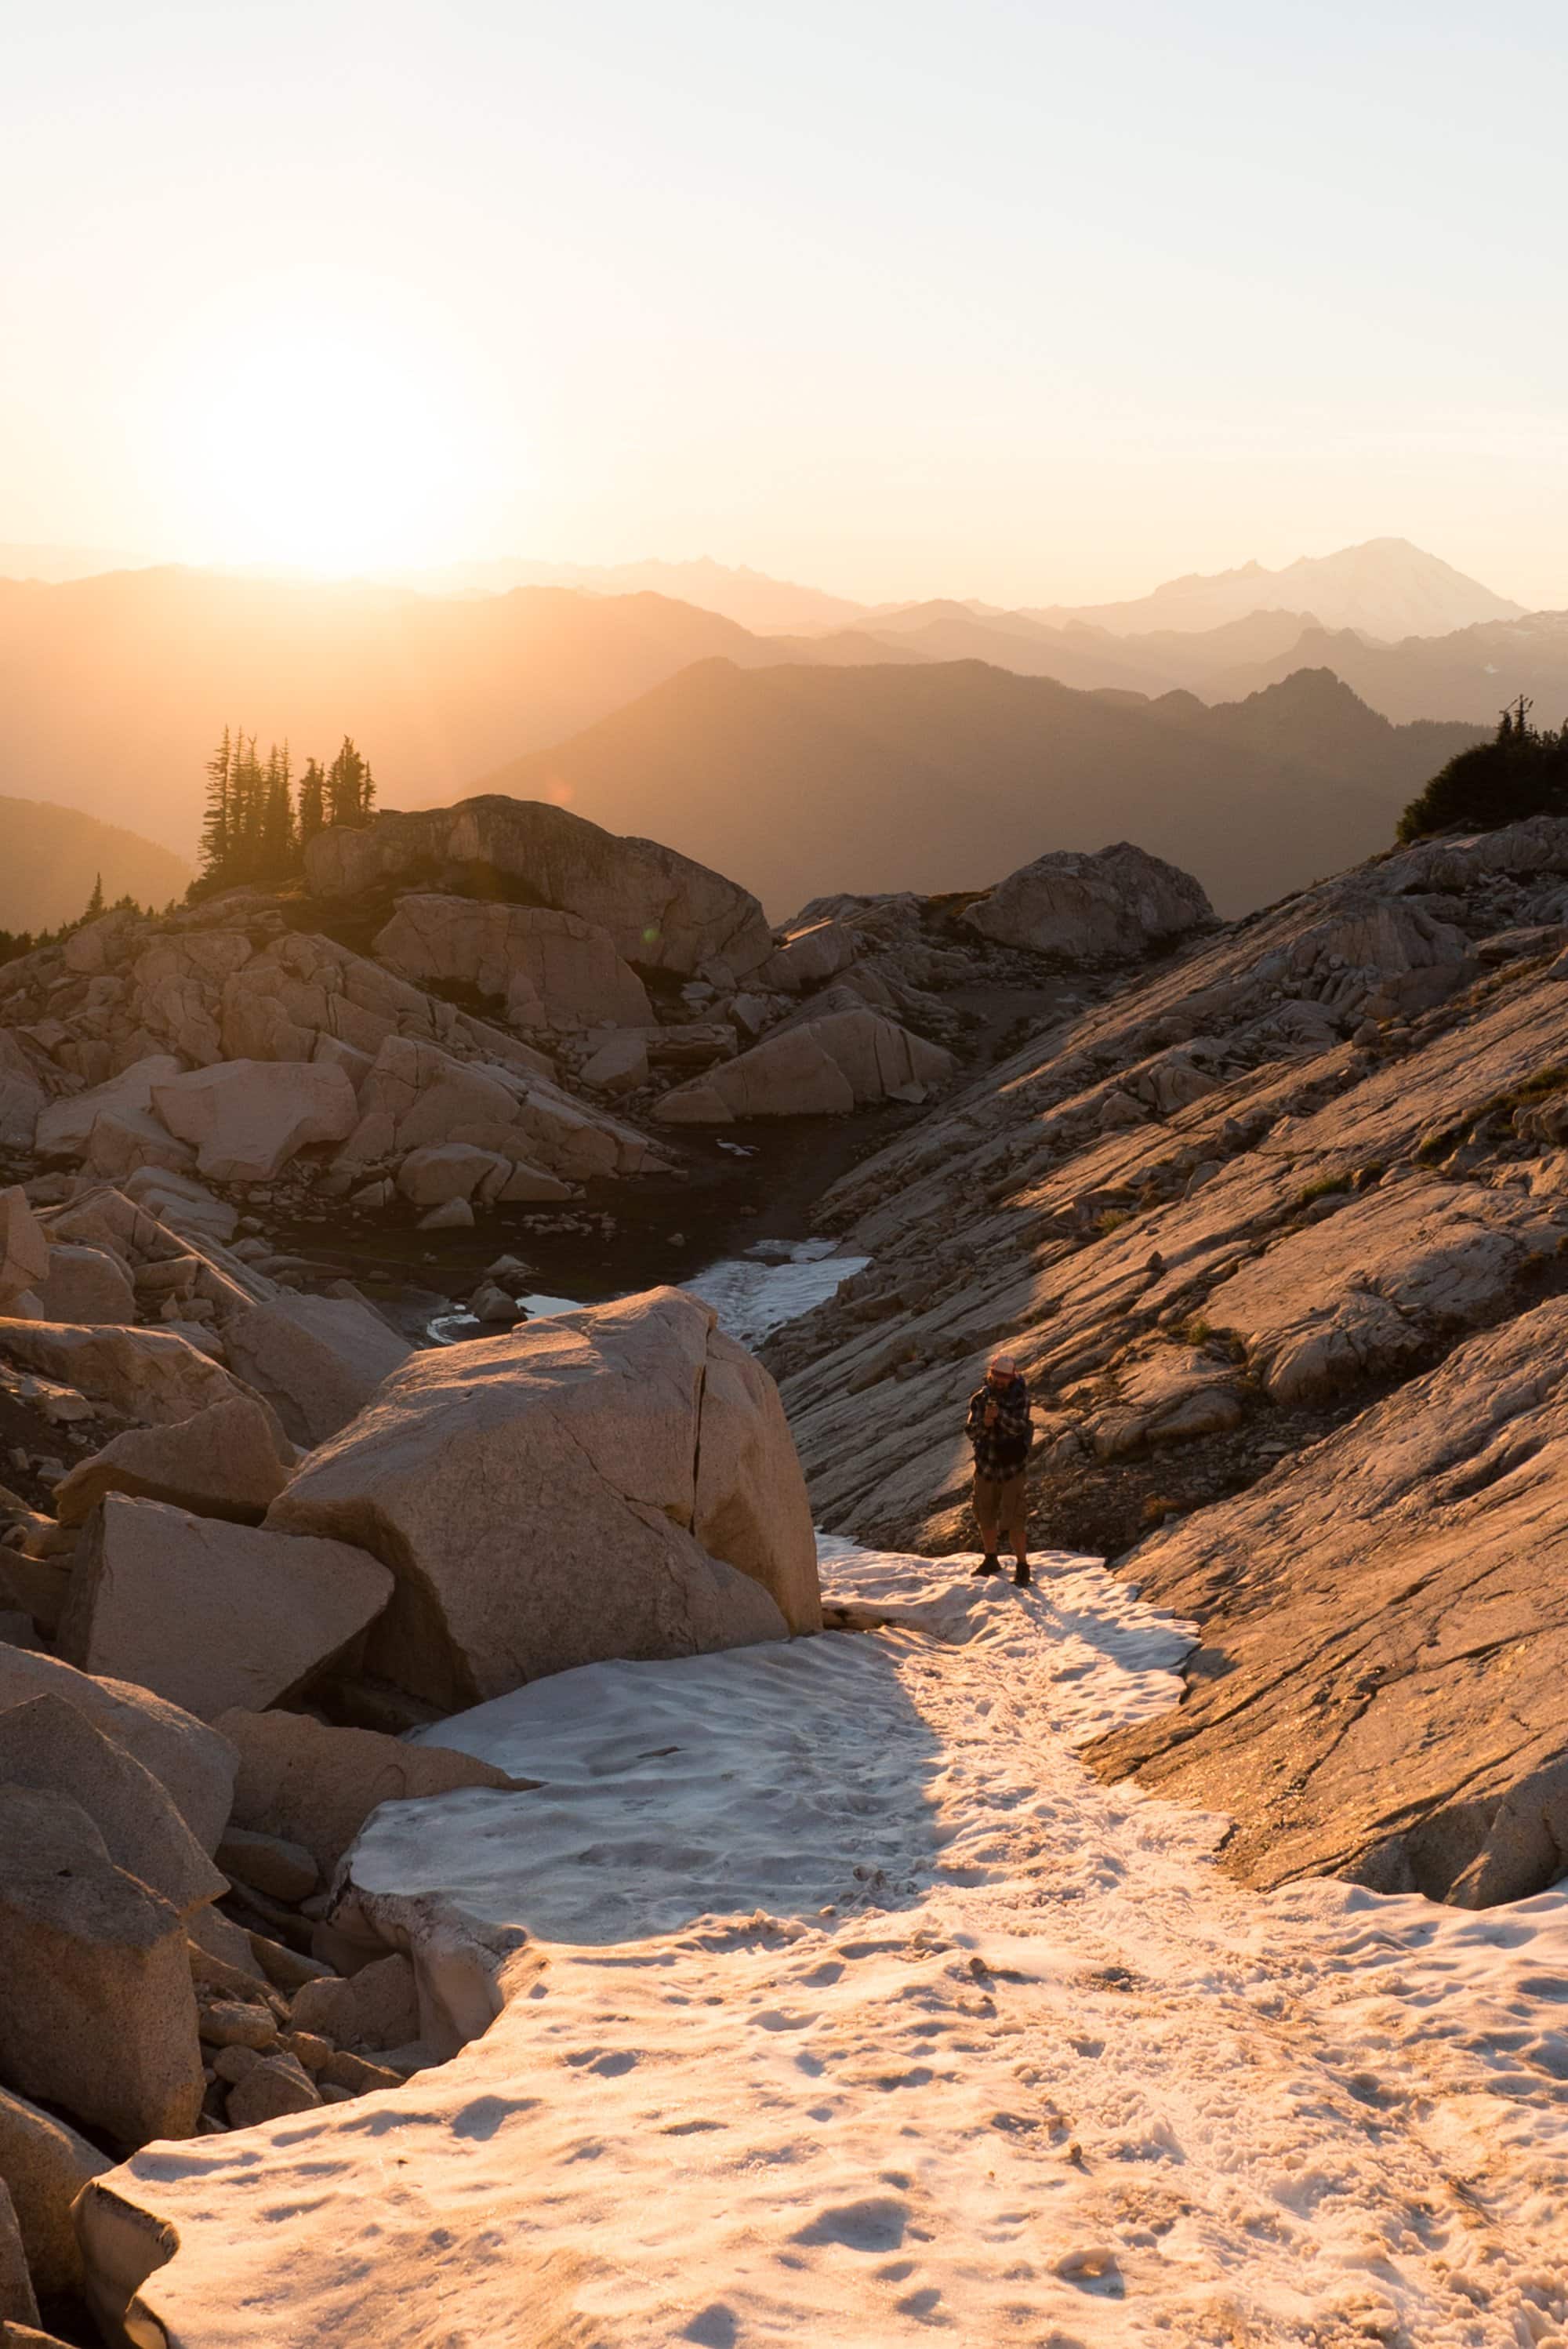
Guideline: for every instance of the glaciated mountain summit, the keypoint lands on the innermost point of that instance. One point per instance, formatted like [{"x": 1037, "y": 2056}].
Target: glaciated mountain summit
[{"x": 1384, "y": 586}]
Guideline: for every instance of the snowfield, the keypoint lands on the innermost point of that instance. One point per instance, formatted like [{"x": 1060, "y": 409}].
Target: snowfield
[{"x": 854, "y": 2011}]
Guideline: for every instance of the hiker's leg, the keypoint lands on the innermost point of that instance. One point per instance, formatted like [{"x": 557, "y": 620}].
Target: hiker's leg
[
  {"x": 1014, "y": 1516},
  {"x": 988, "y": 1496}
]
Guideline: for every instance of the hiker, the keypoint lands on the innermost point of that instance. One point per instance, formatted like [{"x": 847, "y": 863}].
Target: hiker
[{"x": 999, "y": 1429}]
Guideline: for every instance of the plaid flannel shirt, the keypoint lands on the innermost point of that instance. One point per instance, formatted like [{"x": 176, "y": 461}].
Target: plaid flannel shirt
[{"x": 1001, "y": 1450}]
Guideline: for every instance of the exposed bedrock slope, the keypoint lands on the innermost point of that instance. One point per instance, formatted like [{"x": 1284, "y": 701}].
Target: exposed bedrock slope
[
  {"x": 1250, "y": 1204},
  {"x": 1380, "y": 1689}
]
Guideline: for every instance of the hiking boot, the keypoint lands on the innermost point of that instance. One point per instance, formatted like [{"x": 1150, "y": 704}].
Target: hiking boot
[
  {"x": 1021, "y": 1574},
  {"x": 989, "y": 1564}
]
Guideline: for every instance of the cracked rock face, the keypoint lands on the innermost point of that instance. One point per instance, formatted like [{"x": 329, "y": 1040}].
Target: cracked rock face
[{"x": 616, "y": 1481}]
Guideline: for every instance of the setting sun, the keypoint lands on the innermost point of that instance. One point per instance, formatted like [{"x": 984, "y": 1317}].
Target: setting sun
[{"x": 334, "y": 434}]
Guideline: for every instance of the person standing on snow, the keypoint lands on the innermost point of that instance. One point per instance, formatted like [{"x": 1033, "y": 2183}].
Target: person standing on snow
[{"x": 999, "y": 1429}]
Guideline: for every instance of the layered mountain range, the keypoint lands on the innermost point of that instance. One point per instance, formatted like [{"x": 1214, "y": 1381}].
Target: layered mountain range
[{"x": 1255, "y": 747}]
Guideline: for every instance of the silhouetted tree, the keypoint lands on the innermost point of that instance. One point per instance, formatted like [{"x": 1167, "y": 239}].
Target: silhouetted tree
[
  {"x": 251, "y": 830},
  {"x": 217, "y": 843},
  {"x": 275, "y": 838},
  {"x": 1521, "y": 772},
  {"x": 95, "y": 902},
  {"x": 312, "y": 802},
  {"x": 350, "y": 787}
]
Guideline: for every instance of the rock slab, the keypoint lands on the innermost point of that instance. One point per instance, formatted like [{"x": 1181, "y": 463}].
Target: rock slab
[{"x": 208, "y": 1614}]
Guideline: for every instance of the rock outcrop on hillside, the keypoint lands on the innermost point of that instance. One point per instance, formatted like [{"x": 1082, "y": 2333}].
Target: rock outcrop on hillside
[
  {"x": 661, "y": 910},
  {"x": 1237, "y": 1210}
]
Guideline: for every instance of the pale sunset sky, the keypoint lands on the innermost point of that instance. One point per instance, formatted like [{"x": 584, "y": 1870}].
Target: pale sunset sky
[{"x": 1028, "y": 301}]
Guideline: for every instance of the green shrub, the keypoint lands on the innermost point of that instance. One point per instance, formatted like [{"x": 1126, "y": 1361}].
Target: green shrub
[
  {"x": 1521, "y": 772},
  {"x": 1323, "y": 1189}
]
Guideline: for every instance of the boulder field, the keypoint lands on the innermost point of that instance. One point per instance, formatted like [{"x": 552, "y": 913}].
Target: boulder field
[
  {"x": 1279, "y": 1233},
  {"x": 204, "y": 1648},
  {"x": 499, "y": 1004}
]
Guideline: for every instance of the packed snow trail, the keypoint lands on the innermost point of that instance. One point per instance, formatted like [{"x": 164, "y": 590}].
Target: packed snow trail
[{"x": 865, "y": 2013}]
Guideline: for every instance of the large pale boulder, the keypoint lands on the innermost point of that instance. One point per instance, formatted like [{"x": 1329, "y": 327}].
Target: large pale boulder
[
  {"x": 46, "y": 2164},
  {"x": 123, "y": 1142},
  {"x": 417, "y": 1096},
  {"x": 455, "y": 1170},
  {"x": 246, "y": 1119},
  {"x": 191, "y": 1763},
  {"x": 316, "y": 1359},
  {"x": 552, "y": 969},
  {"x": 316, "y": 1786},
  {"x": 619, "y": 1065},
  {"x": 63, "y": 1127},
  {"x": 815, "y": 1068},
  {"x": 546, "y": 1500},
  {"x": 1120, "y": 901},
  {"x": 223, "y": 1461},
  {"x": 152, "y": 1375},
  {"x": 209, "y": 1614},
  {"x": 99, "y": 2015},
  {"x": 48, "y": 1745},
  {"x": 661, "y": 911},
  {"x": 84, "y": 1284},
  {"x": 23, "y": 1248}
]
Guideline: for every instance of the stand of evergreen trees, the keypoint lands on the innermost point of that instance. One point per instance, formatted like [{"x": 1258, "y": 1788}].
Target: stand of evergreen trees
[
  {"x": 257, "y": 821},
  {"x": 1521, "y": 772},
  {"x": 15, "y": 944}
]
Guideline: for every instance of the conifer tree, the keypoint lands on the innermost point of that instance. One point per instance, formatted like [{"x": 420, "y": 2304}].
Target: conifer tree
[
  {"x": 350, "y": 787},
  {"x": 275, "y": 840},
  {"x": 247, "y": 810},
  {"x": 312, "y": 802},
  {"x": 95, "y": 902},
  {"x": 216, "y": 842}
]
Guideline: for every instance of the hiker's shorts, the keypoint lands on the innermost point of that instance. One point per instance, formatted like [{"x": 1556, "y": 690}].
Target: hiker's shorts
[{"x": 999, "y": 1502}]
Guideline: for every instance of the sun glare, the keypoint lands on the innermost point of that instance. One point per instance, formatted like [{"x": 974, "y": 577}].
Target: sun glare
[{"x": 339, "y": 438}]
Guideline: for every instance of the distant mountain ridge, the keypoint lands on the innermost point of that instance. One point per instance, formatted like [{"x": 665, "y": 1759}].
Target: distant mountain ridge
[
  {"x": 798, "y": 781},
  {"x": 753, "y": 600},
  {"x": 51, "y": 856},
  {"x": 1385, "y": 587},
  {"x": 113, "y": 688}
]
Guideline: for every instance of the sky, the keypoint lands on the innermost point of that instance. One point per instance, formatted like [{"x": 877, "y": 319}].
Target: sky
[{"x": 1026, "y": 302}]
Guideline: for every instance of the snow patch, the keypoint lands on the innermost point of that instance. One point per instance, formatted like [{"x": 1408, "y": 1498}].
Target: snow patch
[
  {"x": 774, "y": 1282},
  {"x": 854, "y": 2008}
]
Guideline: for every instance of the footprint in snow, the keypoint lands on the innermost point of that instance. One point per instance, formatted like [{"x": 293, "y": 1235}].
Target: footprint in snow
[{"x": 877, "y": 2224}]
